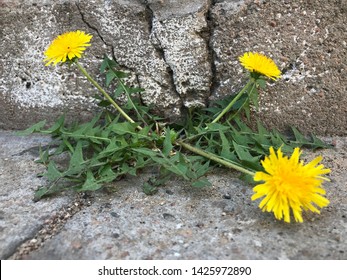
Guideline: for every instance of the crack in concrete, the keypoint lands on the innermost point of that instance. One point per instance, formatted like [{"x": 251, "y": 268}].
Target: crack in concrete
[
  {"x": 97, "y": 32},
  {"x": 112, "y": 50},
  {"x": 160, "y": 50},
  {"x": 212, "y": 54},
  {"x": 206, "y": 35},
  {"x": 92, "y": 27}
]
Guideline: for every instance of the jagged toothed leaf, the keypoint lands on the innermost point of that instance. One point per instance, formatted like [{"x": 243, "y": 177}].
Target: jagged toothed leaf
[
  {"x": 145, "y": 151},
  {"x": 149, "y": 189},
  {"x": 55, "y": 128},
  {"x": 238, "y": 137},
  {"x": 104, "y": 103},
  {"x": 113, "y": 147},
  {"x": 217, "y": 127},
  {"x": 90, "y": 184},
  {"x": 85, "y": 129},
  {"x": 242, "y": 126},
  {"x": 106, "y": 174},
  {"x": 225, "y": 152},
  {"x": 107, "y": 64},
  {"x": 52, "y": 173},
  {"x": 76, "y": 161},
  {"x": 318, "y": 143},
  {"x": 300, "y": 138},
  {"x": 167, "y": 145},
  {"x": 34, "y": 128},
  {"x": 124, "y": 128},
  {"x": 242, "y": 153},
  {"x": 110, "y": 76},
  {"x": 44, "y": 156},
  {"x": 44, "y": 191},
  {"x": 276, "y": 139},
  {"x": 146, "y": 131},
  {"x": 176, "y": 164},
  {"x": 120, "y": 74},
  {"x": 132, "y": 90},
  {"x": 201, "y": 183},
  {"x": 41, "y": 192},
  {"x": 67, "y": 144},
  {"x": 254, "y": 98},
  {"x": 262, "y": 131},
  {"x": 200, "y": 169},
  {"x": 118, "y": 91}
]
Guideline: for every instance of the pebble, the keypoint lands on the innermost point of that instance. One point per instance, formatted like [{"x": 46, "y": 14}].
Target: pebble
[
  {"x": 168, "y": 216},
  {"x": 114, "y": 214}
]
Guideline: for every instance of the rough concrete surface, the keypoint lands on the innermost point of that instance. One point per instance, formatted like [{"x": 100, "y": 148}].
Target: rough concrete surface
[
  {"x": 185, "y": 49},
  {"x": 179, "y": 222},
  {"x": 307, "y": 39},
  {"x": 183, "y": 53},
  {"x": 20, "y": 218}
]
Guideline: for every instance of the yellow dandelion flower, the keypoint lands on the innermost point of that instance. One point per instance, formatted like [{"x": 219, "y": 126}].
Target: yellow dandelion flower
[
  {"x": 67, "y": 46},
  {"x": 289, "y": 184},
  {"x": 260, "y": 64}
]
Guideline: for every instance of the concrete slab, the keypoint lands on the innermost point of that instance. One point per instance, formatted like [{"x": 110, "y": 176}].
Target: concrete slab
[
  {"x": 180, "y": 222},
  {"x": 20, "y": 217},
  {"x": 183, "y": 53}
]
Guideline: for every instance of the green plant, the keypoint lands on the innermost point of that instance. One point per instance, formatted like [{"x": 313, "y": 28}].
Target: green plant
[
  {"x": 121, "y": 140},
  {"x": 110, "y": 146}
]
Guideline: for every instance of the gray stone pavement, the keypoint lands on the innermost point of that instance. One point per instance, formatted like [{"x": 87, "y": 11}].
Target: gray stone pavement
[{"x": 179, "y": 222}]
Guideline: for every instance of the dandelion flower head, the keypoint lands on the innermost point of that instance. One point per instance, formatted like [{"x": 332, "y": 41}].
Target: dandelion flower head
[
  {"x": 288, "y": 184},
  {"x": 67, "y": 46},
  {"x": 260, "y": 64}
]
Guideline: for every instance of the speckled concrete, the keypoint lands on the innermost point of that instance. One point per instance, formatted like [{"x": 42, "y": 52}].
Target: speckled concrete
[
  {"x": 307, "y": 40},
  {"x": 20, "y": 217},
  {"x": 183, "y": 53},
  {"x": 179, "y": 222},
  {"x": 182, "y": 37}
]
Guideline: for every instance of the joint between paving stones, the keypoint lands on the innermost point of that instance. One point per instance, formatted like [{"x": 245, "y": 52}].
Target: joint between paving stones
[{"x": 51, "y": 227}]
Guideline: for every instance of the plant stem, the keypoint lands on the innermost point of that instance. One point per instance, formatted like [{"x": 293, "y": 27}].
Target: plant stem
[
  {"x": 106, "y": 95},
  {"x": 87, "y": 136},
  {"x": 215, "y": 158},
  {"x": 244, "y": 103},
  {"x": 130, "y": 100},
  {"x": 232, "y": 102}
]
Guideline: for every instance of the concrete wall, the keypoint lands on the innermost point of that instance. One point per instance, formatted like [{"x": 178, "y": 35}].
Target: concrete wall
[{"x": 184, "y": 53}]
